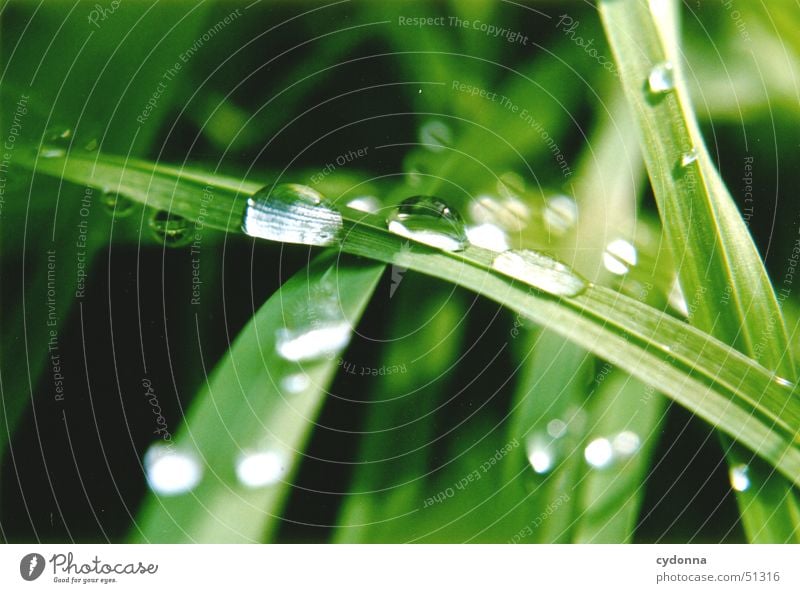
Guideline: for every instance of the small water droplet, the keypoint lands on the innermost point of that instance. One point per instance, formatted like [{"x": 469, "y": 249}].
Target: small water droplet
[
  {"x": 626, "y": 443},
  {"x": 676, "y": 298},
  {"x": 368, "y": 204},
  {"x": 689, "y": 157},
  {"x": 257, "y": 469},
  {"x": 320, "y": 339},
  {"x": 560, "y": 214},
  {"x": 170, "y": 229},
  {"x": 556, "y": 428},
  {"x": 91, "y": 145},
  {"x": 170, "y": 471},
  {"x": 599, "y": 453},
  {"x": 540, "y": 271},
  {"x": 435, "y": 135},
  {"x": 620, "y": 256},
  {"x": 540, "y": 454},
  {"x": 488, "y": 236},
  {"x": 292, "y": 213},
  {"x": 51, "y": 152},
  {"x": 783, "y": 382},
  {"x": 430, "y": 221},
  {"x": 58, "y": 134},
  {"x": 295, "y": 383},
  {"x": 740, "y": 477},
  {"x": 661, "y": 79},
  {"x": 116, "y": 205}
]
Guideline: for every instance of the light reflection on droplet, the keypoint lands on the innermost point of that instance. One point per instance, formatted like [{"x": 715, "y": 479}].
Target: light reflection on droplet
[
  {"x": 428, "y": 220},
  {"x": 488, "y": 236},
  {"x": 296, "y": 382},
  {"x": 740, "y": 477},
  {"x": 626, "y": 443},
  {"x": 171, "y": 471},
  {"x": 620, "y": 256},
  {"x": 556, "y": 428},
  {"x": 661, "y": 79},
  {"x": 314, "y": 342},
  {"x": 676, "y": 298},
  {"x": 260, "y": 468},
  {"x": 687, "y": 158},
  {"x": 368, "y": 204},
  {"x": 540, "y": 454},
  {"x": 599, "y": 453}
]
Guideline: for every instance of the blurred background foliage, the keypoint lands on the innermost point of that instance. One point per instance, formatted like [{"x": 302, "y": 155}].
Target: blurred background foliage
[{"x": 284, "y": 90}]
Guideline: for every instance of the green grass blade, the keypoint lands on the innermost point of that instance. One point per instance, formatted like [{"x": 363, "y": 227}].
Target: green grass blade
[{"x": 244, "y": 406}]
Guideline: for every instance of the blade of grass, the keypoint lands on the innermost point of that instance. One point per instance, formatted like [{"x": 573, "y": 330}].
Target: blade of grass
[
  {"x": 721, "y": 385},
  {"x": 244, "y": 406},
  {"x": 716, "y": 257}
]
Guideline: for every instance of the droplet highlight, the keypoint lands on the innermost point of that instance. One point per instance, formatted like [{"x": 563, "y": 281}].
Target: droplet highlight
[
  {"x": 435, "y": 135},
  {"x": 740, "y": 477},
  {"x": 661, "y": 79},
  {"x": 321, "y": 339},
  {"x": 428, "y": 220},
  {"x": 540, "y": 454},
  {"x": 292, "y": 213},
  {"x": 257, "y": 469},
  {"x": 170, "y": 471},
  {"x": 368, "y": 204},
  {"x": 619, "y": 257},
  {"x": 540, "y": 271},
  {"x": 560, "y": 215},
  {"x": 170, "y": 229},
  {"x": 295, "y": 383},
  {"x": 488, "y": 236},
  {"x": 599, "y": 453},
  {"x": 689, "y": 157}
]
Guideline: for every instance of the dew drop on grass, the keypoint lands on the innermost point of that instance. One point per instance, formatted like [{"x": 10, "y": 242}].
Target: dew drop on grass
[
  {"x": 116, "y": 205},
  {"x": 488, "y": 236},
  {"x": 540, "y": 271},
  {"x": 368, "y": 204},
  {"x": 783, "y": 382},
  {"x": 170, "y": 229},
  {"x": 676, "y": 298},
  {"x": 435, "y": 135},
  {"x": 295, "y": 383},
  {"x": 661, "y": 79},
  {"x": 619, "y": 257},
  {"x": 317, "y": 340},
  {"x": 292, "y": 213},
  {"x": 560, "y": 215},
  {"x": 599, "y": 453},
  {"x": 689, "y": 157},
  {"x": 540, "y": 453},
  {"x": 430, "y": 221},
  {"x": 626, "y": 443},
  {"x": 51, "y": 152},
  {"x": 740, "y": 477},
  {"x": 256, "y": 469},
  {"x": 170, "y": 471}
]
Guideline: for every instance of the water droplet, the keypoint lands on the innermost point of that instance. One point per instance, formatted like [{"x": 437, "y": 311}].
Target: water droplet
[
  {"x": 58, "y": 134},
  {"x": 91, "y": 145},
  {"x": 783, "y": 382},
  {"x": 556, "y": 428},
  {"x": 626, "y": 443},
  {"x": 435, "y": 135},
  {"x": 689, "y": 157},
  {"x": 560, "y": 214},
  {"x": 488, "y": 236},
  {"x": 661, "y": 79},
  {"x": 170, "y": 471},
  {"x": 740, "y": 477},
  {"x": 540, "y": 454},
  {"x": 676, "y": 298},
  {"x": 170, "y": 229},
  {"x": 599, "y": 453},
  {"x": 295, "y": 383},
  {"x": 256, "y": 469},
  {"x": 321, "y": 339},
  {"x": 51, "y": 152},
  {"x": 291, "y": 213},
  {"x": 508, "y": 213},
  {"x": 368, "y": 204},
  {"x": 430, "y": 221},
  {"x": 116, "y": 205},
  {"x": 540, "y": 271},
  {"x": 619, "y": 257}
]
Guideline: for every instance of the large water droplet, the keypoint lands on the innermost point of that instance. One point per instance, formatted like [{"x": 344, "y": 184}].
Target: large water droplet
[
  {"x": 740, "y": 477},
  {"x": 257, "y": 469},
  {"x": 488, "y": 236},
  {"x": 170, "y": 229},
  {"x": 620, "y": 256},
  {"x": 292, "y": 213},
  {"x": 560, "y": 215},
  {"x": 435, "y": 135},
  {"x": 319, "y": 339},
  {"x": 116, "y": 205},
  {"x": 540, "y": 271},
  {"x": 599, "y": 453},
  {"x": 661, "y": 79},
  {"x": 170, "y": 471},
  {"x": 430, "y": 221}
]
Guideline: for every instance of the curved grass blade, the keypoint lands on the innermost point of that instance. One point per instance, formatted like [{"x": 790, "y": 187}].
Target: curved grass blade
[{"x": 248, "y": 409}]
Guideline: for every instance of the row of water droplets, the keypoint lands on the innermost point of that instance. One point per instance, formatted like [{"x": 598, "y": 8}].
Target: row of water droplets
[{"x": 167, "y": 228}]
